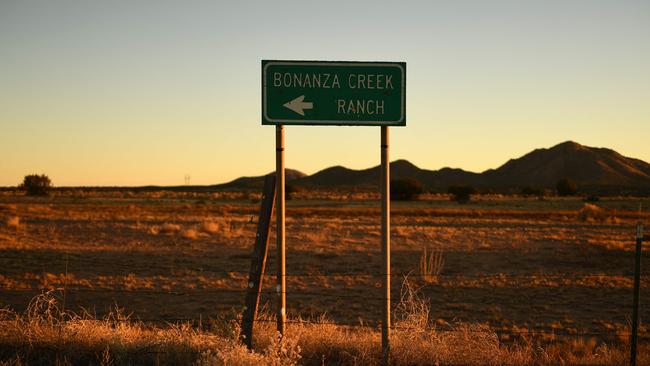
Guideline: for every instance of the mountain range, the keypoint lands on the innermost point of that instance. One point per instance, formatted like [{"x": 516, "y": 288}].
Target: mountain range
[{"x": 593, "y": 169}]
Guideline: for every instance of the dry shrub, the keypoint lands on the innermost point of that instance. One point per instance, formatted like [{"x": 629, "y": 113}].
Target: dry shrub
[
  {"x": 39, "y": 209},
  {"x": 7, "y": 207},
  {"x": 209, "y": 227},
  {"x": 166, "y": 228},
  {"x": 322, "y": 342},
  {"x": 47, "y": 334},
  {"x": 190, "y": 234},
  {"x": 170, "y": 228},
  {"x": 13, "y": 222},
  {"x": 590, "y": 212}
]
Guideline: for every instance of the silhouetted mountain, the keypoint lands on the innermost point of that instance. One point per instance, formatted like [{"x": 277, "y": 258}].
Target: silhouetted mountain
[
  {"x": 400, "y": 169},
  {"x": 258, "y": 181},
  {"x": 341, "y": 176},
  {"x": 592, "y": 168},
  {"x": 587, "y": 166}
]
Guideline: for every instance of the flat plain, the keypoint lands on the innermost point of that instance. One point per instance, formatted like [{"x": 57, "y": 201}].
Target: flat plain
[
  {"x": 508, "y": 262},
  {"x": 520, "y": 266}
]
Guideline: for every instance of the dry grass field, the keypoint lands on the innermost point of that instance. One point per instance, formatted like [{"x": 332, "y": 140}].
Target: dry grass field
[{"x": 512, "y": 280}]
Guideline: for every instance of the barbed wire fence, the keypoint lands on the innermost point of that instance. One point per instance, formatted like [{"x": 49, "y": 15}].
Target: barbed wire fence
[{"x": 67, "y": 261}]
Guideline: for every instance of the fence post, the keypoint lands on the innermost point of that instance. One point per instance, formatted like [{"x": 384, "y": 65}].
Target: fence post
[
  {"x": 258, "y": 260},
  {"x": 637, "y": 290}
]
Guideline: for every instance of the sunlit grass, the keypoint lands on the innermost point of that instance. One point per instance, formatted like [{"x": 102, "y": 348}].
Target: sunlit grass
[{"x": 46, "y": 333}]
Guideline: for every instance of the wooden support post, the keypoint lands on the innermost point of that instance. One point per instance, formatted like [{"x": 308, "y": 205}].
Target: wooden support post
[
  {"x": 637, "y": 294},
  {"x": 385, "y": 244},
  {"x": 280, "y": 233},
  {"x": 258, "y": 260}
]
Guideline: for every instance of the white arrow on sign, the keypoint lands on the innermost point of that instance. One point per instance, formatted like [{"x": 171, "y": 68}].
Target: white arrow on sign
[{"x": 297, "y": 105}]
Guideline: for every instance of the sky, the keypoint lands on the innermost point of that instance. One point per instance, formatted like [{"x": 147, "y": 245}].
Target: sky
[{"x": 147, "y": 92}]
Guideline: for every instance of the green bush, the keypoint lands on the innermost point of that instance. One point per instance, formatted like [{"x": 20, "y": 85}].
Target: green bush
[
  {"x": 461, "y": 194},
  {"x": 36, "y": 185},
  {"x": 566, "y": 187},
  {"x": 405, "y": 189}
]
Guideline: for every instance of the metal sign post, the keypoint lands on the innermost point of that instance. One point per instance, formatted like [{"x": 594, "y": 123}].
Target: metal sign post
[
  {"x": 279, "y": 231},
  {"x": 385, "y": 244},
  {"x": 334, "y": 93}
]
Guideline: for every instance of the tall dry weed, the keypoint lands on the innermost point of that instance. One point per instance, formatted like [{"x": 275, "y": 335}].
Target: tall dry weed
[{"x": 431, "y": 265}]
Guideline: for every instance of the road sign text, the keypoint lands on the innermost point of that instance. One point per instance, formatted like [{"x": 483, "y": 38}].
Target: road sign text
[{"x": 333, "y": 93}]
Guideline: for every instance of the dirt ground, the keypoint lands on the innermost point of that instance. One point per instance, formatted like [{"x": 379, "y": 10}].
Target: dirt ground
[{"x": 516, "y": 264}]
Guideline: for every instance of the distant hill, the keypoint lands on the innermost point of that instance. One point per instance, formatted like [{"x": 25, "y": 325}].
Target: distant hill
[
  {"x": 258, "y": 181},
  {"x": 399, "y": 169},
  {"x": 587, "y": 166},
  {"x": 591, "y": 168}
]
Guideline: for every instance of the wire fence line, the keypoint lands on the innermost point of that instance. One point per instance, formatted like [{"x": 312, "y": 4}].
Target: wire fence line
[
  {"x": 177, "y": 266},
  {"x": 322, "y": 292},
  {"x": 67, "y": 261},
  {"x": 553, "y": 333}
]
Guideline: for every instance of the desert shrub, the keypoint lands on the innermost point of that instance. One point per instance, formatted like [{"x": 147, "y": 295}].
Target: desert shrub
[
  {"x": 461, "y": 194},
  {"x": 291, "y": 191},
  {"x": 566, "y": 187},
  {"x": 47, "y": 334},
  {"x": 532, "y": 191},
  {"x": 166, "y": 228},
  {"x": 8, "y": 207},
  {"x": 590, "y": 212},
  {"x": 13, "y": 222},
  {"x": 431, "y": 264},
  {"x": 190, "y": 234},
  {"x": 209, "y": 227},
  {"x": 36, "y": 185},
  {"x": 413, "y": 309},
  {"x": 405, "y": 189}
]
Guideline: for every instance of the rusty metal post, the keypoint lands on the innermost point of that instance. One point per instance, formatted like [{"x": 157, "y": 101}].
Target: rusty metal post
[
  {"x": 385, "y": 244},
  {"x": 280, "y": 232}
]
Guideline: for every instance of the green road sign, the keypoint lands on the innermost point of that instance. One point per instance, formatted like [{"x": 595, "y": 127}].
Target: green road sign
[{"x": 333, "y": 93}]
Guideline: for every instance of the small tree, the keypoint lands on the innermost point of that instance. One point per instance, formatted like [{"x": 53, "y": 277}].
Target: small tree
[
  {"x": 461, "y": 194},
  {"x": 405, "y": 189},
  {"x": 36, "y": 185},
  {"x": 566, "y": 187}
]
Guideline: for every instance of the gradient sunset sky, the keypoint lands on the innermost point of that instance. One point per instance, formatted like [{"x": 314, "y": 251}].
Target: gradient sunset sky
[{"x": 144, "y": 92}]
